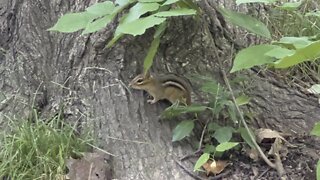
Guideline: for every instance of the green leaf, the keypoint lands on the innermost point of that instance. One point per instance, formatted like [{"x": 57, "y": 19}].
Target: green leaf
[
  {"x": 314, "y": 89},
  {"x": 242, "y": 100},
  {"x": 252, "y": 56},
  {"x": 177, "y": 110},
  {"x": 72, "y": 22},
  {"x": 148, "y": 60},
  {"x": 190, "y": 4},
  {"x": 307, "y": 53},
  {"x": 318, "y": 170},
  {"x": 160, "y": 30},
  {"x": 139, "y": 26},
  {"x": 169, "y": 2},
  {"x": 182, "y": 130},
  {"x": 122, "y": 2},
  {"x": 297, "y": 42},
  {"x": 245, "y": 21},
  {"x": 280, "y": 52},
  {"x": 211, "y": 87},
  {"x": 223, "y": 134},
  {"x": 213, "y": 126},
  {"x": 176, "y": 12},
  {"x": 151, "y": 53},
  {"x": 316, "y": 129},
  {"x": 101, "y": 9},
  {"x": 245, "y": 136},
  {"x": 255, "y": 1},
  {"x": 139, "y": 9},
  {"x": 150, "y": 1},
  {"x": 208, "y": 148},
  {"x": 97, "y": 24},
  {"x": 290, "y": 5},
  {"x": 202, "y": 159},
  {"x": 226, "y": 146},
  {"x": 315, "y": 13},
  {"x": 231, "y": 111}
]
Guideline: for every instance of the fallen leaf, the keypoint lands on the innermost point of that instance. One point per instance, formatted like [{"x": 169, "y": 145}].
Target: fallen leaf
[
  {"x": 263, "y": 134},
  {"x": 278, "y": 148},
  {"x": 215, "y": 167},
  {"x": 91, "y": 166}
]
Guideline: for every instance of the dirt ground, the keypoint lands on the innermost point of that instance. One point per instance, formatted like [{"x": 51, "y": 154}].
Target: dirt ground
[{"x": 299, "y": 164}]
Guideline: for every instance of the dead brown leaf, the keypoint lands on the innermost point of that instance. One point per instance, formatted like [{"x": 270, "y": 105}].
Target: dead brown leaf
[
  {"x": 263, "y": 134},
  {"x": 91, "y": 166},
  {"x": 215, "y": 167}
]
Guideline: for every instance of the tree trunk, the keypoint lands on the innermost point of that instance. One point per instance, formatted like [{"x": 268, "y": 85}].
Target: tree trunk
[{"x": 50, "y": 70}]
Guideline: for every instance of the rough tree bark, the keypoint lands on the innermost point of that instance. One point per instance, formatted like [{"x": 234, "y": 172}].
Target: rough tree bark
[{"x": 51, "y": 70}]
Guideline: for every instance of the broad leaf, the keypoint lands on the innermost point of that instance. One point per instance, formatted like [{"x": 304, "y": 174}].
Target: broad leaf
[
  {"x": 255, "y": 1},
  {"x": 182, "y": 130},
  {"x": 148, "y": 60},
  {"x": 151, "y": 53},
  {"x": 252, "y": 56},
  {"x": 176, "y": 12},
  {"x": 290, "y": 5},
  {"x": 231, "y": 111},
  {"x": 97, "y": 24},
  {"x": 315, "y": 13},
  {"x": 150, "y": 1},
  {"x": 101, "y": 9},
  {"x": 177, "y": 110},
  {"x": 297, "y": 42},
  {"x": 316, "y": 129},
  {"x": 202, "y": 159},
  {"x": 213, "y": 126},
  {"x": 245, "y": 136},
  {"x": 139, "y": 26},
  {"x": 122, "y": 2},
  {"x": 226, "y": 146},
  {"x": 72, "y": 22},
  {"x": 208, "y": 148},
  {"x": 212, "y": 87},
  {"x": 280, "y": 52},
  {"x": 308, "y": 53},
  {"x": 169, "y": 2},
  {"x": 139, "y": 9},
  {"x": 245, "y": 21},
  {"x": 223, "y": 134},
  {"x": 242, "y": 100}
]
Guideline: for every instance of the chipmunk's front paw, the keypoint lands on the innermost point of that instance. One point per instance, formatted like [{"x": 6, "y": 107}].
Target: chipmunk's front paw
[{"x": 151, "y": 101}]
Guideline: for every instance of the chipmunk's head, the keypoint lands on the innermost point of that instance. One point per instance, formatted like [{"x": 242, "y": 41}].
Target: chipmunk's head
[{"x": 141, "y": 81}]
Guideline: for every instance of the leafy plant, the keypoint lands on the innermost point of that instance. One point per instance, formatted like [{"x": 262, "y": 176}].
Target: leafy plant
[
  {"x": 142, "y": 15},
  {"x": 220, "y": 106}
]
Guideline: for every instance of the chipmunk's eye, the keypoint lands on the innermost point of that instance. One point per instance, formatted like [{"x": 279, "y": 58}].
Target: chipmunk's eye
[{"x": 140, "y": 80}]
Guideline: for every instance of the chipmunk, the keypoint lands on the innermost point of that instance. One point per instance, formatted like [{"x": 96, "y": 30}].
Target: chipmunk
[{"x": 168, "y": 86}]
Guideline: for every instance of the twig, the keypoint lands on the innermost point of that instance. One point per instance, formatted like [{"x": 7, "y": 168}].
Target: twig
[
  {"x": 263, "y": 173},
  {"x": 102, "y": 150},
  {"x": 125, "y": 140},
  {"x": 90, "y": 171},
  {"x": 279, "y": 166},
  {"x": 202, "y": 134},
  {"x": 188, "y": 171},
  {"x": 263, "y": 156},
  {"x": 190, "y": 155}
]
